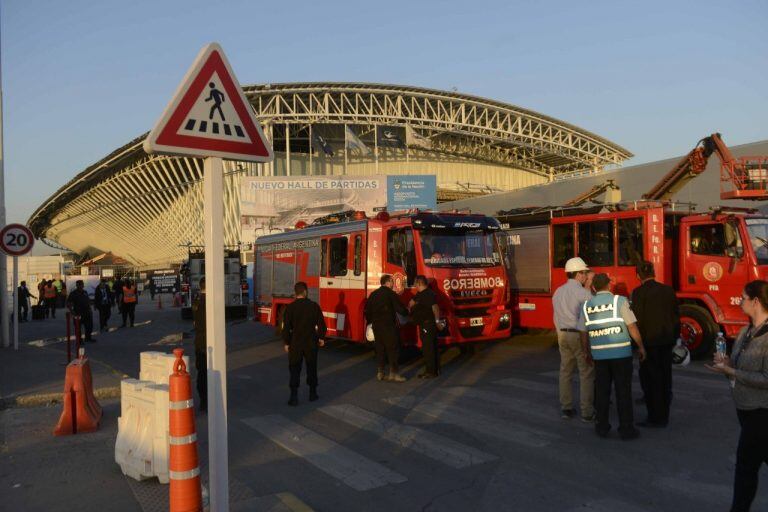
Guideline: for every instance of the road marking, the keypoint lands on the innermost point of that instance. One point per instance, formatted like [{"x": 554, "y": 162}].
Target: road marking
[
  {"x": 684, "y": 390},
  {"x": 356, "y": 471},
  {"x": 427, "y": 443},
  {"x": 609, "y": 505},
  {"x": 484, "y": 424},
  {"x": 691, "y": 382},
  {"x": 501, "y": 400},
  {"x": 529, "y": 385}
]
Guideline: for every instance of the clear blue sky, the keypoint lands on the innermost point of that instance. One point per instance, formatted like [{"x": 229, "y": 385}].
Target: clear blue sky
[{"x": 82, "y": 78}]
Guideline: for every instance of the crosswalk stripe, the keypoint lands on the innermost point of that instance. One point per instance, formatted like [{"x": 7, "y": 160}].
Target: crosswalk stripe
[
  {"x": 691, "y": 382},
  {"x": 432, "y": 445},
  {"x": 609, "y": 505},
  {"x": 500, "y": 400},
  {"x": 353, "y": 469},
  {"x": 478, "y": 422},
  {"x": 529, "y": 385},
  {"x": 687, "y": 389}
]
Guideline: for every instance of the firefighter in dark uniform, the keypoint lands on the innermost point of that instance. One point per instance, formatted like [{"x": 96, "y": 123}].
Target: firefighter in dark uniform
[
  {"x": 79, "y": 304},
  {"x": 198, "y": 317},
  {"x": 425, "y": 312},
  {"x": 303, "y": 333},
  {"x": 380, "y": 311}
]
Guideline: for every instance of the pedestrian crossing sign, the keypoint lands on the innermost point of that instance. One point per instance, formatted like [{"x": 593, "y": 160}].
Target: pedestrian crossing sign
[{"x": 209, "y": 115}]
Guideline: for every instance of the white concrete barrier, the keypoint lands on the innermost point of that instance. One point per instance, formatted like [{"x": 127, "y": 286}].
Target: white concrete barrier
[
  {"x": 157, "y": 366},
  {"x": 142, "y": 445}
]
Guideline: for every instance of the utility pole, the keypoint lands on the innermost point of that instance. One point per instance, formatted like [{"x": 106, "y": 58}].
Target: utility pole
[{"x": 4, "y": 310}]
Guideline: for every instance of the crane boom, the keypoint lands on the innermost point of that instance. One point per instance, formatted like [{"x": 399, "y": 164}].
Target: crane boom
[
  {"x": 690, "y": 166},
  {"x": 592, "y": 193}
]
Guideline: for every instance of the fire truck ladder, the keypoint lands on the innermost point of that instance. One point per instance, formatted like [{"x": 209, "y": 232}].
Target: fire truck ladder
[
  {"x": 592, "y": 193},
  {"x": 686, "y": 169},
  {"x": 740, "y": 178}
]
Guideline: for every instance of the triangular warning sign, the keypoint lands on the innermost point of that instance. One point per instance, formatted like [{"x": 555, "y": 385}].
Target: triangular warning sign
[{"x": 209, "y": 115}]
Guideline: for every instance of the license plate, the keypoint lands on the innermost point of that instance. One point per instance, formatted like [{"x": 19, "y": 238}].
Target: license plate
[{"x": 475, "y": 321}]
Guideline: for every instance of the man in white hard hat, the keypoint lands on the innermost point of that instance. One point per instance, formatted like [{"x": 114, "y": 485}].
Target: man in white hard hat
[{"x": 567, "y": 303}]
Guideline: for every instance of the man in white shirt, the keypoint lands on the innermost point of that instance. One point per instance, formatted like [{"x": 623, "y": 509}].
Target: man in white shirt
[{"x": 566, "y": 304}]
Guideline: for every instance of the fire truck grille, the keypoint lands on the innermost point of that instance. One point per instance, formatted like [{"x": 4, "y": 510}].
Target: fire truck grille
[
  {"x": 471, "y": 332},
  {"x": 461, "y": 302},
  {"x": 470, "y": 312},
  {"x": 462, "y": 297},
  {"x": 466, "y": 294}
]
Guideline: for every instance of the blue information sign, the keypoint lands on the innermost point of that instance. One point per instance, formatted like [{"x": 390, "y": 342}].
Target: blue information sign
[{"x": 408, "y": 192}]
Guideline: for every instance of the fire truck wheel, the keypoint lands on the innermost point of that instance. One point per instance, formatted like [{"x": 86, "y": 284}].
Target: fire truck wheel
[{"x": 697, "y": 329}]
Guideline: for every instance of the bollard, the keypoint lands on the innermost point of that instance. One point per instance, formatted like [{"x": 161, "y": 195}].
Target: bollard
[
  {"x": 69, "y": 336},
  {"x": 159, "y": 302},
  {"x": 183, "y": 465},
  {"x": 77, "y": 334}
]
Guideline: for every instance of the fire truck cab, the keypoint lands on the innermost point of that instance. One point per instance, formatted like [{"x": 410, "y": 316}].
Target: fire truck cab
[
  {"x": 707, "y": 258},
  {"x": 342, "y": 260}
]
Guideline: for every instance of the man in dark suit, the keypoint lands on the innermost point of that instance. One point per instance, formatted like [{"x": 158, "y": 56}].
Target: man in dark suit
[
  {"x": 425, "y": 312},
  {"x": 102, "y": 301},
  {"x": 380, "y": 310},
  {"x": 79, "y": 304},
  {"x": 658, "y": 317},
  {"x": 303, "y": 333}
]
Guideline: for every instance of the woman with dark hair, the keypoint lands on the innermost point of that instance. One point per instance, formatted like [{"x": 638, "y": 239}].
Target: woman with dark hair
[{"x": 747, "y": 369}]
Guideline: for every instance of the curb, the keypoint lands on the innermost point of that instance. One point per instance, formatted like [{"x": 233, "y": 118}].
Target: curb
[{"x": 45, "y": 399}]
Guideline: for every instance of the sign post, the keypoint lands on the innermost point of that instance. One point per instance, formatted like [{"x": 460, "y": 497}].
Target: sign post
[
  {"x": 209, "y": 117},
  {"x": 15, "y": 240}
]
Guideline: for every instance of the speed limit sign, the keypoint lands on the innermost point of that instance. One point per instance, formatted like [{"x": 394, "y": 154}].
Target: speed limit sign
[{"x": 16, "y": 240}]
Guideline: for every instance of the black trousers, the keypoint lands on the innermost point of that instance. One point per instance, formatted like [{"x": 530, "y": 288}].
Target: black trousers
[
  {"x": 50, "y": 305},
  {"x": 296, "y": 356},
  {"x": 428, "y": 335},
  {"x": 751, "y": 454},
  {"x": 86, "y": 326},
  {"x": 656, "y": 381},
  {"x": 619, "y": 373},
  {"x": 387, "y": 344},
  {"x": 129, "y": 311},
  {"x": 23, "y": 310},
  {"x": 105, "y": 311},
  {"x": 202, "y": 375}
]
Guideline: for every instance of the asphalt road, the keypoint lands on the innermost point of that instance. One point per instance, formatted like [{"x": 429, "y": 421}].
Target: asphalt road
[{"x": 486, "y": 435}]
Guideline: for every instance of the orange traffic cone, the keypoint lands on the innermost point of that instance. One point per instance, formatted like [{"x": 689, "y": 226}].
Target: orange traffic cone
[{"x": 183, "y": 465}]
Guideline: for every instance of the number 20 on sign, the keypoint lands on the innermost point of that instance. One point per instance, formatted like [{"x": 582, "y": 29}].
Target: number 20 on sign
[{"x": 15, "y": 240}]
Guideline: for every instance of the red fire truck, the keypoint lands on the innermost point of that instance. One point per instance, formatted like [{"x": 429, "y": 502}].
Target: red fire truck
[
  {"x": 342, "y": 257},
  {"x": 707, "y": 258}
]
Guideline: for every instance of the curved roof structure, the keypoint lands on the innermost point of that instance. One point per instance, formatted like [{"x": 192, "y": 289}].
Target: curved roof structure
[{"x": 146, "y": 207}]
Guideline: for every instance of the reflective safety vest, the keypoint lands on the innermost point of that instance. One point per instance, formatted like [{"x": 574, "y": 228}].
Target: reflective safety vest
[
  {"x": 607, "y": 331},
  {"x": 50, "y": 292},
  {"x": 129, "y": 295}
]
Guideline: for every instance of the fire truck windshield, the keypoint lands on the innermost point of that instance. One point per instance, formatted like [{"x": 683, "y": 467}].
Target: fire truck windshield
[
  {"x": 459, "y": 249},
  {"x": 758, "y": 236}
]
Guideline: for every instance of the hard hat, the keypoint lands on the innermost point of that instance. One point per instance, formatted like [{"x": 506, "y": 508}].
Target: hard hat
[
  {"x": 681, "y": 356},
  {"x": 369, "y": 333},
  {"x": 575, "y": 265}
]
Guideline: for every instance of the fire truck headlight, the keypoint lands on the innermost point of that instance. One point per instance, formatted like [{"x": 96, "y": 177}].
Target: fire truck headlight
[{"x": 504, "y": 321}]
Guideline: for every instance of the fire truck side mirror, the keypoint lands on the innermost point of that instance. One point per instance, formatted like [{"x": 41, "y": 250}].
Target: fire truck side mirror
[{"x": 734, "y": 252}]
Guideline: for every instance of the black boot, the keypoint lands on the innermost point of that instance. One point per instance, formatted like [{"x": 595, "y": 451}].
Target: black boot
[
  {"x": 313, "y": 394},
  {"x": 294, "y": 400}
]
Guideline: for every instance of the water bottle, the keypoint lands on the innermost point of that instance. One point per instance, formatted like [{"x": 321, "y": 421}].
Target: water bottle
[{"x": 720, "y": 344}]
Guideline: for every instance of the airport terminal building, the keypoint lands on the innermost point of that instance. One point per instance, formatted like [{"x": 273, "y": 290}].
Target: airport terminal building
[{"x": 146, "y": 208}]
